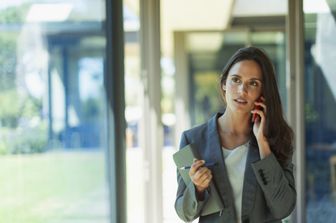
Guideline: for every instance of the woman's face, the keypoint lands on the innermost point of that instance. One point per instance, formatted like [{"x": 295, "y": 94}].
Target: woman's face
[{"x": 243, "y": 86}]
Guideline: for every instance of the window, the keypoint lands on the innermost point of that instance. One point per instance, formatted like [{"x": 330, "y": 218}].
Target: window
[
  {"x": 52, "y": 112},
  {"x": 320, "y": 109}
]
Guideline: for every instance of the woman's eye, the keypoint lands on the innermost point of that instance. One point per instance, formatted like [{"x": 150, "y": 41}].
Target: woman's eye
[
  {"x": 235, "y": 80},
  {"x": 254, "y": 83}
]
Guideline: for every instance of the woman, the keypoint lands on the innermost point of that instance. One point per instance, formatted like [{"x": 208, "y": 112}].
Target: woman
[{"x": 251, "y": 144}]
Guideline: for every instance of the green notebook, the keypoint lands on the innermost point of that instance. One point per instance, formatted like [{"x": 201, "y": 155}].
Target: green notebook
[{"x": 184, "y": 157}]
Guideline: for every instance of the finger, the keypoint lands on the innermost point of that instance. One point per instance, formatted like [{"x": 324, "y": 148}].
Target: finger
[
  {"x": 261, "y": 104},
  {"x": 195, "y": 166},
  {"x": 205, "y": 182},
  {"x": 261, "y": 115},
  {"x": 200, "y": 180},
  {"x": 207, "y": 178},
  {"x": 258, "y": 112},
  {"x": 205, "y": 175},
  {"x": 204, "y": 170},
  {"x": 201, "y": 172}
]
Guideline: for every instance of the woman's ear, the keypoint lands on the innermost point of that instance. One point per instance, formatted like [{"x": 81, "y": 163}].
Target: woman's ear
[{"x": 224, "y": 87}]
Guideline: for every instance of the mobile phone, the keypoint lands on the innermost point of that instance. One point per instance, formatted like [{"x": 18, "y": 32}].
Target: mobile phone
[{"x": 256, "y": 107}]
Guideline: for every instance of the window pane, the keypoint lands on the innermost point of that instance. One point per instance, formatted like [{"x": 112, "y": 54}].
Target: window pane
[
  {"x": 320, "y": 109},
  {"x": 52, "y": 112},
  {"x": 273, "y": 42}
]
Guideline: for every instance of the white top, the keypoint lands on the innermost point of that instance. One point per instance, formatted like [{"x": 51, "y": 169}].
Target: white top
[{"x": 235, "y": 161}]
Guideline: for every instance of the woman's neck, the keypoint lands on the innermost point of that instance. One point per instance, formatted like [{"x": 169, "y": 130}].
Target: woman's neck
[{"x": 235, "y": 123}]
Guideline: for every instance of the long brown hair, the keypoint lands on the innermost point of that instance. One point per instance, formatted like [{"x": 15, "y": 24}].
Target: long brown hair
[{"x": 278, "y": 132}]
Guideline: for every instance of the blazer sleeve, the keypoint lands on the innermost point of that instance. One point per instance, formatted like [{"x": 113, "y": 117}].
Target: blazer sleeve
[
  {"x": 187, "y": 206},
  {"x": 277, "y": 184}
]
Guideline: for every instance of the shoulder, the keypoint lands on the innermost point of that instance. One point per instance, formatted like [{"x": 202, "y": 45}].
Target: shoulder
[
  {"x": 196, "y": 130},
  {"x": 201, "y": 131},
  {"x": 194, "y": 135}
]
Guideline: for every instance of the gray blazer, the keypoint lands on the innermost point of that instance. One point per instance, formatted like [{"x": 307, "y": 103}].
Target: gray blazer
[{"x": 269, "y": 193}]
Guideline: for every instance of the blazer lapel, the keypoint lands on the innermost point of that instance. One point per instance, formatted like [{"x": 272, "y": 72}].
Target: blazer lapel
[
  {"x": 215, "y": 154},
  {"x": 250, "y": 182}
]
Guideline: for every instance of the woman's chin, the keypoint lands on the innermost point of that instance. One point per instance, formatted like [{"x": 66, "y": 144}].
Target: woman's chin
[{"x": 241, "y": 109}]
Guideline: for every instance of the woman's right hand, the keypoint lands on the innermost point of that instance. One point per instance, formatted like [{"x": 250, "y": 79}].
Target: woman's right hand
[{"x": 201, "y": 176}]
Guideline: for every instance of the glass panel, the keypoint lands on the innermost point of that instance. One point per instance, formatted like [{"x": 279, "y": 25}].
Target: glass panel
[
  {"x": 52, "y": 112},
  {"x": 205, "y": 64},
  {"x": 320, "y": 109},
  {"x": 274, "y": 44}
]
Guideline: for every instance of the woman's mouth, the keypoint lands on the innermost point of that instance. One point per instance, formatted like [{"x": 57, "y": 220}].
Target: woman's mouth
[{"x": 240, "y": 101}]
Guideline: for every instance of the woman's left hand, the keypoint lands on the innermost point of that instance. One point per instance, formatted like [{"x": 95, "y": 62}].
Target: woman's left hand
[
  {"x": 259, "y": 123},
  {"x": 259, "y": 128}
]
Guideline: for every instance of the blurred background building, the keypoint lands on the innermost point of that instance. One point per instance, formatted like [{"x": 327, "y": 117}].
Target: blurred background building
[{"x": 95, "y": 94}]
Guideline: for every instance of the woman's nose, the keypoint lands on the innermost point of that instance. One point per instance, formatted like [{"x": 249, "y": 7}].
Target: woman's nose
[{"x": 242, "y": 87}]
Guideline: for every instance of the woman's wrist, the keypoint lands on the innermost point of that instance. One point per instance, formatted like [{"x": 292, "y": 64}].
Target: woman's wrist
[
  {"x": 262, "y": 139},
  {"x": 200, "y": 193},
  {"x": 264, "y": 147}
]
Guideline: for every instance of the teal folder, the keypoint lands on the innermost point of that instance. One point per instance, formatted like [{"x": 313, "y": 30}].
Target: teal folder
[{"x": 184, "y": 157}]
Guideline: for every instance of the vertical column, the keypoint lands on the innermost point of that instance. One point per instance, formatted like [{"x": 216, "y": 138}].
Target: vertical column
[
  {"x": 151, "y": 126},
  {"x": 65, "y": 80},
  {"x": 182, "y": 86},
  {"x": 295, "y": 86},
  {"x": 114, "y": 86},
  {"x": 51, "y": 136}
]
